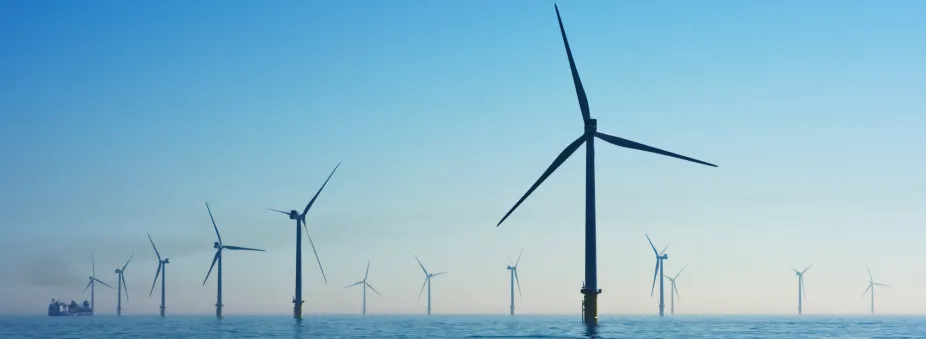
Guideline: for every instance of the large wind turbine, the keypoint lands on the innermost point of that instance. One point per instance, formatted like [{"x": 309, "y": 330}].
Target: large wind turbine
[
  {"x": 162, "y": 271},
  {"x": 120, "y": 277},
  {"x": 219, "y": 246},
  {"x": 674, "y": 290},
  {"x": 427, "y": 281},
  {"x": 92, "y": 285},
  {"x": 590, "y": 290},
  {"x": 660, "y": 256},
  {"x": 801, "y": 292},
  {"x": 513, "y": 268},
  {"x": 300, "y": 219},
  {"x": 871, "y": 286},
  {"x": 365, "y": 285}
]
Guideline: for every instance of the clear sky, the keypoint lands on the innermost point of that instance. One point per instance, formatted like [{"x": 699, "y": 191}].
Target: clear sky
[{"x": 120, "y": 118}]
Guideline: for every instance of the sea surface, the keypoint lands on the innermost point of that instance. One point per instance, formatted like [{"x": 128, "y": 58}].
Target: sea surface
[{"x": 387, "y": 327}]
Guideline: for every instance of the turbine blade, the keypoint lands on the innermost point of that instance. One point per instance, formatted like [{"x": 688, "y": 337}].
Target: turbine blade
[
  {"x": 653, "y": 289},
  {"x": 93, "y": 262},
  {"x": 879, "y": 284},
  {"x": 676, "y": 291},
  {"x": 354, "y": 284},
  {"x": 100, "y": 281},
  {"x": 306, "y": 210},
  {"x": 317, "y": 259},
  {"x": 556, "y": 163},
  {"x": 422, "y": 286},
  {"x": 214, "y": 259},
  {"x": 664, "y": 250},
  {"x": 638, "y": 146},
  {"x": 422, "y": 266},
  {"x": 866, "y": 291},
  {"x": 651, "y": 243},
  {"x": 808, "y": 267},
  {"x": 519, "y": 259},
  {"x": 371, "y": 287},
  {"x": 156, "y": 275},
  {"x": 127, "y": 262},
  {"x": 238, "y": 248},
  {"x": 155, "y": 248},
  {"x": 870, "y": 278},
  {"x": 275, "y": 210},
  {"x": 803, "y": 289},
  {"x": 213, "y": 224},
  {"x": 580, "y": 91},
  {"x": 518, "y": 281},
  {"x": 437, "y": 274},
  {"x": 365, "y": 275},
  {"x": 510, "y": 263},
  {"x": 88, "y": 286},
  {"x": 125, "y": 286},
  {"x": 680, "y": 272}
]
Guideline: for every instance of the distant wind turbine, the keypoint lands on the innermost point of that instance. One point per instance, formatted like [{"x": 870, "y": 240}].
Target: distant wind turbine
[
  {"x": 674, "y": 290},
  {"x": 871, "y": 286},
  {"x": 591, "y": 290},
  {"x": 92, "y": 285},
  {"x": 365, "y": 285},
  {"x": 300, "y": 219},
  {"x": 660, "y": 256},
  {"x": 219, "y": 246},
  {"x": 162, "y": 271},
  {"x": 427, "y": 281},
  {"x": 513, "y": 268},
  {"x": 801, "y": 292},
  {"x": 120, "y": 277}
]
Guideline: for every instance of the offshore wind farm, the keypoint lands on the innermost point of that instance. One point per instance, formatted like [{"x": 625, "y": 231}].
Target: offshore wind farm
[{"x": 436, "y": 140}]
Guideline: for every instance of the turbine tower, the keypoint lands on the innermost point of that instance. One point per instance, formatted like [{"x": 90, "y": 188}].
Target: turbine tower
[
  {"x": 871, "y": 286},
  {"x": 219, "y": 246},
  {"x": 427, "y": 281},
  {"x": 514, "y": 278},
  {"x": 120, "y": 279},
  {"x": 365, "y": 285},
  {"x": 162, "y": 272},
  {"x": 590, "y": 290},
  {"x": 300, "y": 219},
  {"x": 801, "y": 292},
  {"x": 660, "y": 256},
  {"x": 674, "y": 290},
  {"x": 92, "y": 285}
]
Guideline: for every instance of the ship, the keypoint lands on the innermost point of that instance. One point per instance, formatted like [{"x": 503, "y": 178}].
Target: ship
[{"x": 57, "y": 308}]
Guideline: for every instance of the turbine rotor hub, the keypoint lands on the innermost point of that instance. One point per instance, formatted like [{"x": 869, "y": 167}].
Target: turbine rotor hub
[
  {"x": 216, "y": 245},
  {"x": 591, "y": 126}
]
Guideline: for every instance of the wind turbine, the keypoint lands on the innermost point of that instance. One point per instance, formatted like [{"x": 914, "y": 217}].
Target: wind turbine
[
  {"x": 162, "y": 271},
  {"x": 365, "y": 285},
  {"x": 514, "y": 278},
  {"x": 92, "y": 285},
  {"x": 300, "y": 218},
  {"x": 801, "y": 292},
  {"x": 219, "y": 246},
  {"x": 660, "y": 256},
  {"x": 871, "y": 286},
  {"x": 591, "y": 290},
  {"x": 674, "y": 290},
  {"x": 427, "y": 281},
  {"x": 120, "y": 274}
]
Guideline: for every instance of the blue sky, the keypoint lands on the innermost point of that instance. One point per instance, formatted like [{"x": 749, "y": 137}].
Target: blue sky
[{"x": 120, "y": 118}]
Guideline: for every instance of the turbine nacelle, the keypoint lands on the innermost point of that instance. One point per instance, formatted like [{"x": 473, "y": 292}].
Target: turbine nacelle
[
  {"x": 117, "y": 271},
  {"x": 166, "y": 261},
  {"x": 216, "y": 245},
  {"x": 591, "y": 126},
  {"x": 664, "y": 256},
  {"x": 294, "y": 215}
]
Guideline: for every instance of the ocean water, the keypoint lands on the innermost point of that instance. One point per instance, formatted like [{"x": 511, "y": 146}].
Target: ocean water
[{"x": 387, "y": 327}]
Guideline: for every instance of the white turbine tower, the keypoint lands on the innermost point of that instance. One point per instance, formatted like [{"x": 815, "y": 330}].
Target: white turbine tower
[
  {"x": 871, "y": 286},
  {"x": 365, "y": 285},
  {"x": 427, "y": 281},
  {"x": 673, "y": 291},
  {"x": 660, "y": 256},
  {"x": 801, "y": 292},
  {"x": 514, "y": 278}
]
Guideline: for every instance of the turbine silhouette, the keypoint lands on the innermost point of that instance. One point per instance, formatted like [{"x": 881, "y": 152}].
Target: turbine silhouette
[
  {"x": 365, "y": 285},
  {"x": 120, "y": 277},
  {"x": 673, "y": 291},
  {"x": 162, "y": 272},
  {"x": 871, "y": 286},
  {"x": 590, "y": 289},
  {"x": 427, "y": 281},
  {"x": 660, "y": 256},
  {"x": 300, "y": 219},
  {"x": 92, "y": 285},
  {"x": 801, "y": 292},
  {"x": 219, "y": 246},
  {"x": 513, "y": 269}
]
